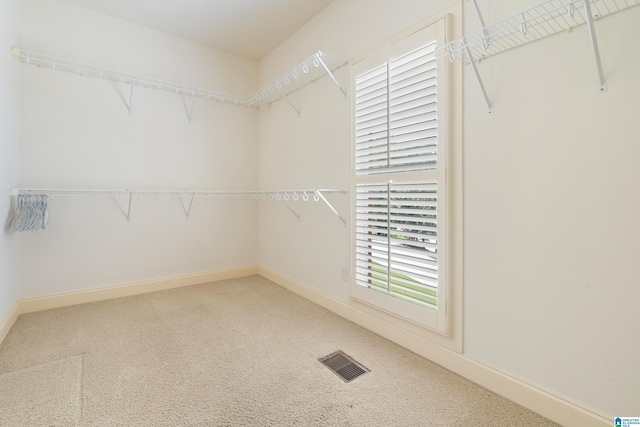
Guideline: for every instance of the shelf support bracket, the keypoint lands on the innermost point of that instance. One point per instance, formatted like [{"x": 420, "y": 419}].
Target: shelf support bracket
[
  {"x": 594, "y": 42},
  {"x": 190, "y": 204},
  {"x": 193, "y": 102},
  {"x": 486, "y": 40},
  {"x": 290, "y": 210},
  {"x": 289, "y": 101},
  {"x": 319, "y": 58},
  {"x": 129, "y": 208},
  {"x": 477, "y": 73},
  {"x": 321, "y": 196},
  {"x": 130, "y": 95}
]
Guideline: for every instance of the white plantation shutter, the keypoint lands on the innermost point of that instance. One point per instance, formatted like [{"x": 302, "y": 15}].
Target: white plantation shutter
[
  {"x": 372, "y": 113},
  {"x": 396, "y": 241},
  {"x": 396, "y": 113},
  {"x": 400, "y": 181}
]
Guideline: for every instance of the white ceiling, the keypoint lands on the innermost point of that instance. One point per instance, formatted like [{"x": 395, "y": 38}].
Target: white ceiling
[{"x": 251, "y": 28}]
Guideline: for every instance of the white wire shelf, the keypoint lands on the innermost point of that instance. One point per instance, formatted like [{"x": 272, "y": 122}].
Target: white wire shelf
[
  {"x": 544, "y": 20},
  {"x": 42, "y": 60},
  {"x": 308, "y": 71},
  {"x": 541, "y": 21},
  {"x": 282, "y": 196}
]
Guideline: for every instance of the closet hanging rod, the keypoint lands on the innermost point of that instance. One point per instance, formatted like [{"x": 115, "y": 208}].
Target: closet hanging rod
[
  {"x": 308, "y": 71},
  {"x": 282, "y": 196},
  {"x": 42, "y": 60},
  {"x": 546, "y": 19}
]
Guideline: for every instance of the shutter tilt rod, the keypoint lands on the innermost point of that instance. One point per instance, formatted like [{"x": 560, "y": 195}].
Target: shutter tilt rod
[
  {"x": 290, "y": 210},
  {"x": 321, "y": 196},
  {"x": 594, "y": 43},
  {"x": 289, "y": 101},
  {"x": 388, "y": 200},
  {"x": 475, "y": 71},
  {"x": 331, "y": 75}
]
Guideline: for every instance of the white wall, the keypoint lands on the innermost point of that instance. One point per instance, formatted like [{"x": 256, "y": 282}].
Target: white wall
[
  {"x": 551, "y": 204},
  {"x": 76, "y": 132},
  {"x": 9, "y": 139},
  {"x": 550, "y": 195}
]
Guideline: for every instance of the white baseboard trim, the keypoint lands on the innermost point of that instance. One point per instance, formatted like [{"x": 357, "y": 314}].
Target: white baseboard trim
[
  {"x": 30, "y": 305},
  {"x": 543, "y": 402},
  {"x": 9, "y": 320}
]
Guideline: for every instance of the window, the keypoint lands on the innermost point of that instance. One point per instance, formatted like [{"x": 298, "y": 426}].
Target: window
[{"x": 400, "y": 179}]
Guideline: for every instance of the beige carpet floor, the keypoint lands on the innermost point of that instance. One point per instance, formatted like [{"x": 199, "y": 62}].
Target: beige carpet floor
[{"x": 235, "y": 353}]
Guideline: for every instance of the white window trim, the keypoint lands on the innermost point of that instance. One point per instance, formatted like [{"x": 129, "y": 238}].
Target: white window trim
[{"x": 451, "y": 335}]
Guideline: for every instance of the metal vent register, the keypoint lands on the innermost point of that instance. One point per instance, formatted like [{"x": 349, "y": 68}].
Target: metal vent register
[{"x": 343, "y": 366}]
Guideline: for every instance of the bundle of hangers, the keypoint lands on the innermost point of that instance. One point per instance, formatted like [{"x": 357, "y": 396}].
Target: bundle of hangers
[{"x": 31, "y": 213}]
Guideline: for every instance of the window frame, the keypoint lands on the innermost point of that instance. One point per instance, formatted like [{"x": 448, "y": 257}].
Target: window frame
[{"x": 441, "y": 320}]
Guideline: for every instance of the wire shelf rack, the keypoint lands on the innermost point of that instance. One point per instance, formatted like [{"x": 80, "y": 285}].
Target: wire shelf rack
[
  {"x": 282, "y": 196},
  {"x": 82, "y": 69},
  {"x": 544, "y": 20},
  {"x": 308, "y": 71}
]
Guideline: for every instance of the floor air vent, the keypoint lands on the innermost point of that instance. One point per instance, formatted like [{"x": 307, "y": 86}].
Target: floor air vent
[{"x": 343, "y": 366}]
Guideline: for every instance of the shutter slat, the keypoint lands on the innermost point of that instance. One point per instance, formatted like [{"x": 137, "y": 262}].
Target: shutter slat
[
  {"x": 402, "y": 152},
  {"x": 371, "y": 128},
  {"x": 409, "y": 234},
  {"x": 373, "y": 110},
  {"x": 415, "y": 55},
  {"x": 410, "y": 259},
  {"x": 370, "y": 75},
  {"x": 414, "y": 128},
  {"x": 371, "y": 150},
  {"x": 422, "y": 88},
  {"x": 420, "y": 110},
  {"x": 365, "y": 92},
  {"x": 374, "y": 97},
  {"x": 398, "y": 69},
  {"x": 430, "y": 142},
  {"x": 427, "y": 75},
  {"x": 372, "y": 140},
  {"x": 372, "y": 124}
]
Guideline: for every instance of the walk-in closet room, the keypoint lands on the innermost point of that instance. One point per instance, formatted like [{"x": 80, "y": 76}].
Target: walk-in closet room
[{"x": 350, "y": 213}]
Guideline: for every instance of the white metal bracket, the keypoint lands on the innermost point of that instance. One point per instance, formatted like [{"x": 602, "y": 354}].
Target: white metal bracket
[
  {"x": 130, "y": 95},
  {"x": 193, "y": 195},
  {"x": 193, "y": 102},
  {"x": 289, "y": 101},
  {"x": 129, "y": 208},
  {"x": 321, "y": 196},
  {"x": 594, "y": 42},
  {"x": 290, "y": 209},
  {"x": 477, "y": 74},
  {"x": 318, "y": 57},
  {"x": 486, "y": 40}
]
